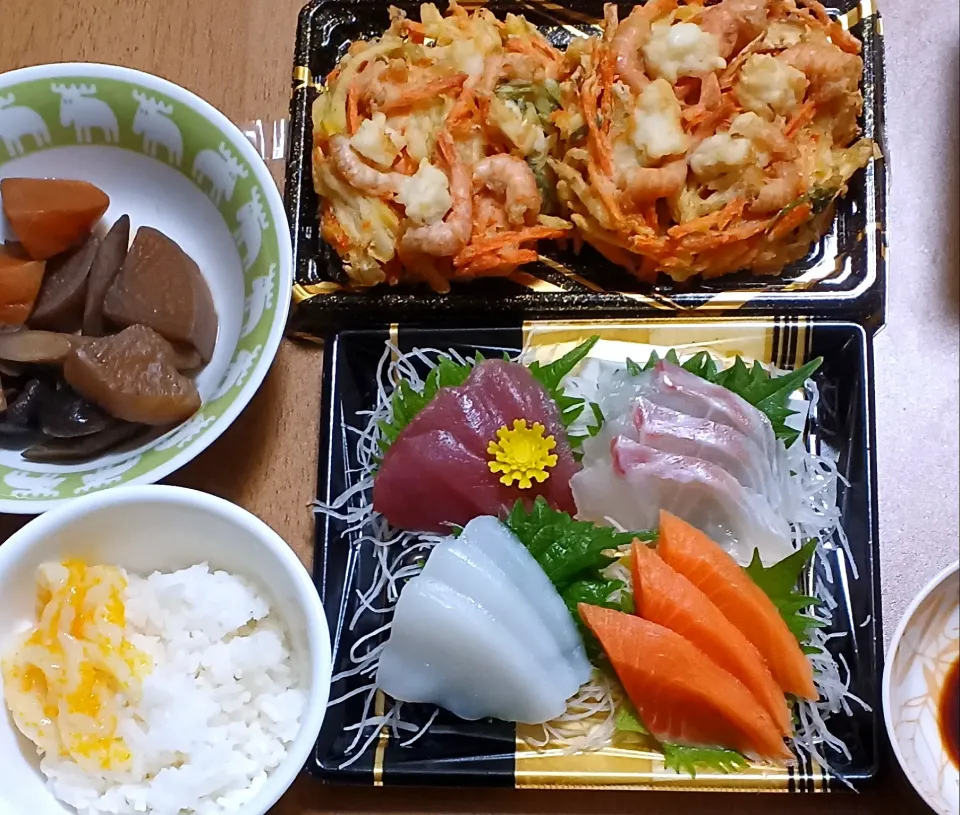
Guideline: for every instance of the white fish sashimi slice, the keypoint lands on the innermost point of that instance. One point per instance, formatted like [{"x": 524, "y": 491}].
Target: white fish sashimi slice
[
  {"x": 469, "y": 571},
  {"x": 673, "y": 432},
  {"x": 636, "y": 482},
  {"x": 447, "y": 650},
  {"x": 676, "y": 388},
  {"x": 489, "y": 536}
]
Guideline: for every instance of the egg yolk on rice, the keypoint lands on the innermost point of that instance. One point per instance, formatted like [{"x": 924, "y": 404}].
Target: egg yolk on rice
[{"x": 68, "y": 681}]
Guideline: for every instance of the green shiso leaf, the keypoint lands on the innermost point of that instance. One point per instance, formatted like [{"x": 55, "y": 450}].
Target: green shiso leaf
[
  {"x": 566, "y": 549},
  {"x": 688, "y": 760},
  {"x": 779, "y": 583},
  {"x": 677, "y": 757},
  {"x": 552, "y": 374}
]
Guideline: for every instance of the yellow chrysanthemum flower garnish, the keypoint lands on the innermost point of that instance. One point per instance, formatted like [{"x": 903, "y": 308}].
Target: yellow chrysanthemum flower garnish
[{"x": 522, "y": 454}]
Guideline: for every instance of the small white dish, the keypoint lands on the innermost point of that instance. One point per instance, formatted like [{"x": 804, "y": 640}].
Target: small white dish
[
  {"x": 924, "y": 647},
  {"x": 169, "y": 160},
  {"x": 149, "y": 528}
]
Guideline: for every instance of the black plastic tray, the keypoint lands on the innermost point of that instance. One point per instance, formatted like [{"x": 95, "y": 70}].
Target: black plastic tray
[
  {"x": 486, "y": 753},
  {"x": 842, "y": 277}
]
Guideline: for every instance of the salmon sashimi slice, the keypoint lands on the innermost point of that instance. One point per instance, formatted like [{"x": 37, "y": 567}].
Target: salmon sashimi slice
[
  {"x": 690, "y": 552},
  {"x": 665, "y": 597},
  {"x": 683, "y": 696}
]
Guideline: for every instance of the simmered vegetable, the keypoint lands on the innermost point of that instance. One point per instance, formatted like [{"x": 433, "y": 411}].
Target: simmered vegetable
[
  {"x": 73, "y": 388},
  {"x": 67, "y": 415},
  {"x": 106, "y": 266},
  {"x": 42, "y": 347},
  {"x": 50, "y": 216},
  {"x": 59, "y": 305},
  {"x": 133, "y": 375},
  {"x": 19, "y": 284},
  {"x": 160, "y": 286},
  {"x": 68, "y": 451}
]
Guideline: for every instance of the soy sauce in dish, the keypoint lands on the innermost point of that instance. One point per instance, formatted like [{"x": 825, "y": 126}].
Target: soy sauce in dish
[{"x": 950, "y": 713}]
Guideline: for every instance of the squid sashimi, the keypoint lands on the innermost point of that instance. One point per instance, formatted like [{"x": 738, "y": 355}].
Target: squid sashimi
[
  {"x": 709, "y": 568},
  {"x": 663, "y": 596},
  {"x": 437, "y": 473},
  {"x": 666, "y": 429},
  {"x": 683, "y": 696},
  {"x": 633, "y": 482},
  {"x": 477, "y": 633},
  {"x": 674, "y": 387},
  {"x": 447, "y": 650},
  {"x": 487, "y": 535},
  {"x": 475, "y": 575}
]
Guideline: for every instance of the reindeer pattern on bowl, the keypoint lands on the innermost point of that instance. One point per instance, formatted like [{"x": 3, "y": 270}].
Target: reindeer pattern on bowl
[
  {"x": 80, "y": 109},
  {"x": 17, "y": 123},
  {"x": 155, "y": 132}
]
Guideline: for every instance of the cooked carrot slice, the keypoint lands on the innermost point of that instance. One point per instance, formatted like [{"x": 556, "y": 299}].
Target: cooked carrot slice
[
  {"x": 20, "y": 281},
  {"x": 49, "y": 215}
]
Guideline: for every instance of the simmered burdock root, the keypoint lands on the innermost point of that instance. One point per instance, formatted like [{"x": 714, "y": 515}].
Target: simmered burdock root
[
  {"x": 60, "y": 303},
  {"x": 19, "y": 284},
  {"x": 133, "y": 376},
  {"x": 161, "y": 287},
  {"x": 50, "y": 215},
  {"x": 106, "y": 267}
]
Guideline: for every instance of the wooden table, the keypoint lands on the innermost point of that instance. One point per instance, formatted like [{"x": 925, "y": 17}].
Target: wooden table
[{"x": 237, "y": 55}]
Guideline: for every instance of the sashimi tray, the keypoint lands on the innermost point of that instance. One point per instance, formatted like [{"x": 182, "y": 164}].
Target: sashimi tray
[{"x": 823, "y": 416}]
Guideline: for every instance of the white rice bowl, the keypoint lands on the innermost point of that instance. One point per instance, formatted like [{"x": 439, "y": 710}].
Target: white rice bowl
[{"x": 217, "y": 711}]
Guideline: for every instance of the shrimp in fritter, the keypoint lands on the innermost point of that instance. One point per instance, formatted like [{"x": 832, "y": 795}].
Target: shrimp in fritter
[
  {"x": 631, "y": 34},
  {"x": 648, "y": 184},
  {"x": 447, "y": 237},
  {"x": 386, "y": 97},
  {"x": 833, "y": 73},
  {"x": 735, "y": 23},
  {"x": 785, "y": 187},
  {"x": 834, "y": 76},
  {"x": 511, "y": 179},
  {"x": 359, "y": 174}
]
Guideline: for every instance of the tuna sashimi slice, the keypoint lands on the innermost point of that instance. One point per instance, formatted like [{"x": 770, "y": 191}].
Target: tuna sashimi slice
[
  {"x": 435, "y": 473},
  {"x": 694, "y": 555},
  {"x": 683, "y": 696},
  {"x": 667, "y": 598},
  {"x": 635, "y": 482}
]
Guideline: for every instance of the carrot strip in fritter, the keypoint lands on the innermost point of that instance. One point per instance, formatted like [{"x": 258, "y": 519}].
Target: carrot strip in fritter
[
  {"x": 353, "y": 106},
  {"x": 414, "y": 94},
  {"x": 530, "y": 233},
  {"x": 719, "y": 219},
  {"x": 600, "y": 149},
  {"x": 794, "y": 218},
  {"x": 803, "y": 117},
  {"x": 505, "y": 261}
]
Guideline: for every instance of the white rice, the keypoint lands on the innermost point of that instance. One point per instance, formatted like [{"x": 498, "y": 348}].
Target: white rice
[{"x": 217, "y": 711}]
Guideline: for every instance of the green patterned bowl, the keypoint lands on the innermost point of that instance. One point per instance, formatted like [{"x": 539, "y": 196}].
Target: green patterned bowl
[{"x": 169, "y": 160}]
